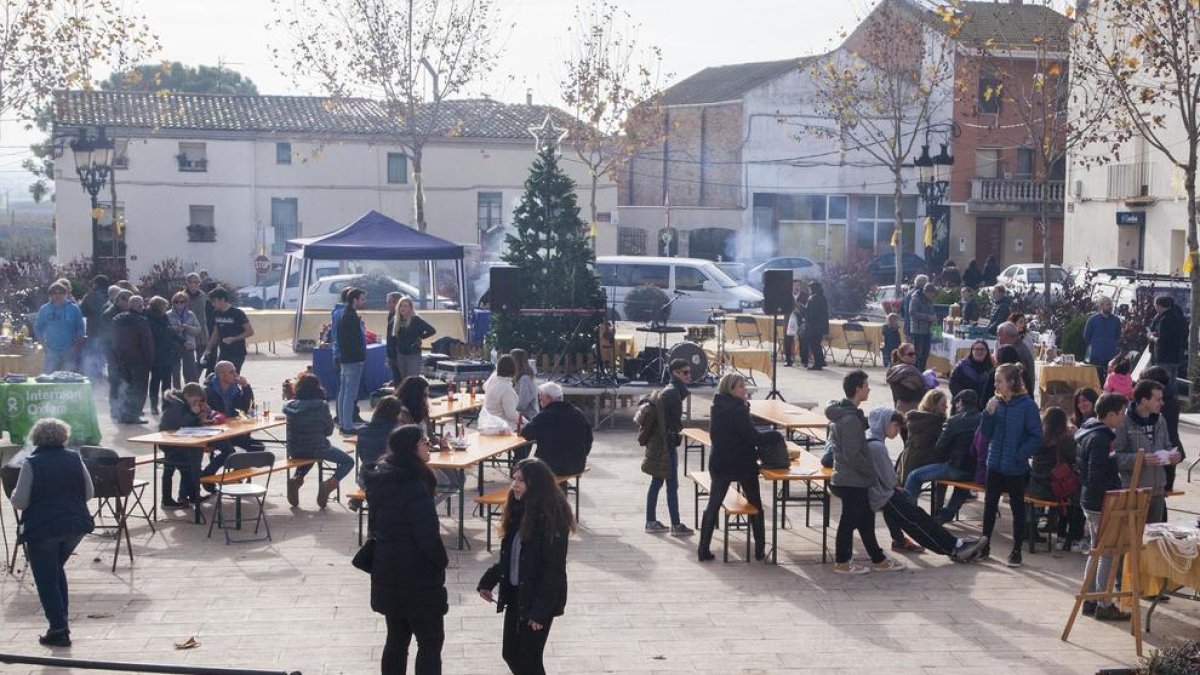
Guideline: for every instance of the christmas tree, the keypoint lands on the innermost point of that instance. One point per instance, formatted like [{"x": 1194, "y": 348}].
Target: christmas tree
[{"x": 551, "y": 251}]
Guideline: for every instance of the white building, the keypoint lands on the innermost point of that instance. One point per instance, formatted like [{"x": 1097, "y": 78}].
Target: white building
[{"x": 216, "y": 180}]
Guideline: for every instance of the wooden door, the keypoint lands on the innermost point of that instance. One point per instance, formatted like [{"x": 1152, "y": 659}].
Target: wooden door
[{"x": 989, "y": 240}]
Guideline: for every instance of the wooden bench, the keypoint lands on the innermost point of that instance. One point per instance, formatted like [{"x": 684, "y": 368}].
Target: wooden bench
[
  {"x": 492, "y": 502},
  {"x": 695, "y": 439},
  {"x": 1031, "y": 505},
  {"x": 285, "y": 465},
  {"x": 734, "y": 505}
]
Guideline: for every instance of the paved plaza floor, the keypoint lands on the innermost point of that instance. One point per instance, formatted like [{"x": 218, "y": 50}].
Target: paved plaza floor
[{"x": 638, "y": 603}]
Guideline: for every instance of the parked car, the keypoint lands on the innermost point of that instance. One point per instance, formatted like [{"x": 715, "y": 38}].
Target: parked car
[
  {"x": 1081, "y": 274},
  {"x": 801, "y": 267},
  {"x": 266, "y": 294},
  {"x": 327, "y": 292},
  {"x": 736, "y": 271},
  {"x": 882, "y": 268},
  {"x": 881, "y": 302},
  {"x": 697, "y": 285},
  {"x": 1028, "y": 279},
  {"x": 1139, "y": 290}
]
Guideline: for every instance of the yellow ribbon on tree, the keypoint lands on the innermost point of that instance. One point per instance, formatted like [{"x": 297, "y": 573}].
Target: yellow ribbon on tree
[
  {"x": 895, "y": 237},
  {"x": 1189, "y": 262},
  {"x": 928, "y": 231}
]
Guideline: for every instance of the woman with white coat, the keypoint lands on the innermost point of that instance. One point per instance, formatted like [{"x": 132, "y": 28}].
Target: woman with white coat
[{"x": 499, "y": 396}]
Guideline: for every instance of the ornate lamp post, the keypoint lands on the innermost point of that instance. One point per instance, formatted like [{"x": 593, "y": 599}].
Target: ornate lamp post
[
  {"x": 93, "y": 164},
  {"x": 933, "y": 180}
]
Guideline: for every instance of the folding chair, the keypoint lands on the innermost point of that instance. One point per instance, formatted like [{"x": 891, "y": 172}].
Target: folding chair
[
  {"x": 139, "y": 485},
  {"x": 747, "y": 327},
  {"x": 238, "y": 491},
  {"x": 112, "y": 484},
  {"x": 856, "y": 338}
]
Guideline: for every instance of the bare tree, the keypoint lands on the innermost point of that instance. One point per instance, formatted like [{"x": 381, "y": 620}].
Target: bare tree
[
  {"x": 611, "y": 86},
  {"x": 1024, "y": 69},
  {"x": 409, "y": 54},
  {"x": 47, "y": 45},
  {"x": 878, "y": 94},
  {"x": 1145, "y": 55}
]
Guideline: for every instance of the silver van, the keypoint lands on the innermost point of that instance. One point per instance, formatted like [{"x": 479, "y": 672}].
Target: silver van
[{"x": 701, "y": 285}]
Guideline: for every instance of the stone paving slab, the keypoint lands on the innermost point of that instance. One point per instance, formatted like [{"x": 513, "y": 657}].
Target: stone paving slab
[{"x": 638, "y": 603}]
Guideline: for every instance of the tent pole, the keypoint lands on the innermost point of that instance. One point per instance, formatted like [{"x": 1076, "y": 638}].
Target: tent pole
[
  {"x": 287, "y": 272},
  {"x": 305, "y": 272},
  {"x": 462, "y": 295}
]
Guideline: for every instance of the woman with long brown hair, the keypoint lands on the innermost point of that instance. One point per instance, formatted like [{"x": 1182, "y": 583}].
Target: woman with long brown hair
[
  {"x": 532, "y": 570},
  {"x": 1013, "y": 427}
]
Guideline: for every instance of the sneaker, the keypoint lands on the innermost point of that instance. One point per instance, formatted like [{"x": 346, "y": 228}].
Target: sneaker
[
  {"x": 1089, "y": 607},
  {"x": 681, "y": 530},
  {"x": 1110, "y": 613},
  {"x": 850, "y": 568},
  {"x": 293, "y": 490},
  {"x": 324, "y": 490},
  {"x": 969, "y": 551},
  {"x": 56, "y": 638},
  {"x": 705, "y": 555},
  {"x": 887, "y": 565},
  {"x": 1014, "y": 558},
  {"x": 354, "y": 504},
  {"x": 655, "y": 527},
  {"x": 168, "y": 503},
  {"x": 907, "y": 546}
]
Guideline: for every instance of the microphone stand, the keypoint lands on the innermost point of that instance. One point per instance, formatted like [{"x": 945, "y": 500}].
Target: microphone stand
[
  {"x": 774, "y": 393},
  {"x": 664, "y": 362}
]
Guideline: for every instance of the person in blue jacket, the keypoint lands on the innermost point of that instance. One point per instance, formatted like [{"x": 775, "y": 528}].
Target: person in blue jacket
[
  {"x": 59, "y": 327},
  {"x": 1013, "y": 427}
]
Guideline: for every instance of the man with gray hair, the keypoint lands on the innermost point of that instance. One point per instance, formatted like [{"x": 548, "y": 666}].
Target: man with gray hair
[
  {"x": 133, "y": 352},
  {"x": 1008, "y": 334},
  {"x": 118, "y": 302},
  {"x": 918, "y": 287},
  {"x": 561, "y": 431}
]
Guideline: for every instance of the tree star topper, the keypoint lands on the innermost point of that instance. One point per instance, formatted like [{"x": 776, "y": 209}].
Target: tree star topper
[{"x": 548, "y": 134}]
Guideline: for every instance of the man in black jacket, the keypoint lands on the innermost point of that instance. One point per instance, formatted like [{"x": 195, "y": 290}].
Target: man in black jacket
[
  {"x": 816, "y": 325},
  {"x": 562, "y": 432},
  {"x": 1098, "y": 474},
  {"x": 352, "y": 357},
  {"x": 670, "y": 421},
  {"x": 1001, "y": 308},
  {"x": 181, "y": 408},
  {"x": 1168, "y": 335}
]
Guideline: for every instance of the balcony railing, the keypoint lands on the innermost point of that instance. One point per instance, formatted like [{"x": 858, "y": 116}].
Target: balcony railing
[
  {"x": 187, "y": 164},
  {"x": 1016, "y": 191},
  {"x": 1130, "y": 180}
]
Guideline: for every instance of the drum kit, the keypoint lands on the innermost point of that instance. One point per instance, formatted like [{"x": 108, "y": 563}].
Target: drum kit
[{"x": 653, "y": 364}]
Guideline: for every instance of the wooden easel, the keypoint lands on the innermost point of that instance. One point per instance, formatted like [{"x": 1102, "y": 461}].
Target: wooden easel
[{"x": 1120, "y": 534}]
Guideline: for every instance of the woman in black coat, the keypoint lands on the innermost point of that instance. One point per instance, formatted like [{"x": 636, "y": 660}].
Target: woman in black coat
[
  {"x": 735, "y": 444},
  {"x": 532, "y": 570},
  {"x": 974, "y": 371},
  {"x": 408, "y": 574},
  {"x": 816, "y": 325}
]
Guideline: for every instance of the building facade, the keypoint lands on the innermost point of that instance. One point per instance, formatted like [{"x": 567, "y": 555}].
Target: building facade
[{"x": 218, "y": 180}]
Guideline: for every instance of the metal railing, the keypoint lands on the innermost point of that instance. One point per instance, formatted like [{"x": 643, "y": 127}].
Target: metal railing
[
  {"x": 1016, "y": 190},
  {"x": 88, "y": 664}
]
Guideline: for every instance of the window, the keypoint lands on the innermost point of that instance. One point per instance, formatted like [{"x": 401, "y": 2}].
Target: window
[
  {"x": 120, "y": 154},
  {"x": 192, "y": 157},
  {"x": 201, "y": 224},
  {"x": 1024, "y": 163},
  {"x": 642, "y": 275},
  {"x": 285, "y": 219},
  {"x": 987, "y": 163},
  {"x": 283, "y": 153},
  {"x": 397, "y": 168},
  {"x": 631, "y": 241},
  {"x": 488, "y": 209},
  {"x": 689, "y": 279},
  {"x": 990, "y": 88}
]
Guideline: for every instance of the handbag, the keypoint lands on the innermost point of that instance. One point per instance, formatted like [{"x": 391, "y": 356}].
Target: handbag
[
  {"x": 773, "y": 452},
  {"x": 365, "y": 558}
]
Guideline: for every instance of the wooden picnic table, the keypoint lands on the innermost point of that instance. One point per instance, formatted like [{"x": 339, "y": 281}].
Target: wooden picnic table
[
  {"x": 440, "y": 408},
  {"x": 806, "y": 467},
  {"x": 790, "y": 417},
  {"x": 480, "y": 448},
  {"x": 229, "y": 430}
]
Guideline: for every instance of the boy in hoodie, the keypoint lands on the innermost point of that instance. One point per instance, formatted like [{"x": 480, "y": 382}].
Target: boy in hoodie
[
  {"x": 853, "y": 476},
  {"x": 901, "y": 515},
  {"x": 182, "y": 408},
  {"x": 1143, "y": 428},
  {"x": 1097, "y": 466}
]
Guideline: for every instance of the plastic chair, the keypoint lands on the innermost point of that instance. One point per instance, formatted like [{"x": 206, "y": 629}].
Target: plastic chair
[
  {"x": 856, "y": 338},
  {"x": 747, "y": 327},
  {"x": 239, "y": 491}
]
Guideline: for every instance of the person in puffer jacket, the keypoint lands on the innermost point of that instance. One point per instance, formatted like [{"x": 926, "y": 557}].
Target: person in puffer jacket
[
  {"x": 1013, "y": 426},
  {"x": 954, "y": 444},
  {"x": 1098, "y": 474}
]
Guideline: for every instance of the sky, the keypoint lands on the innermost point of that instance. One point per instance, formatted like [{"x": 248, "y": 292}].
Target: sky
[{"x": 693, "y": 35}]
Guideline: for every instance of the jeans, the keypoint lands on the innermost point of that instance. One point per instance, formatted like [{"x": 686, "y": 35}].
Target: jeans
[
  {"x": 191, "y": 372},
  {"x": 923, "y": 344},
  {"x": 523, "y": 646},
  {"x": 187, "y": 462},
  {"x": 160, "y": 383},
  {"x": 997, "y": 484},
  {"x": 1104, "y": 567},
  {"x": 347, "y": 396},
  {"x": 221, "y": 450},
  {"x": 59, "y": 360},
  {"x": 344, "y": 463},
  {"x": 925, "y": 474},
  {"x": 47, "y": 558},
  {"x": 856, "y": 515},
  {"x": 656, "y": 484},
  {"x": 716, "y": 494},
  {"x": 430, "y": 633},
  {"x": 905, "y": 517},
  {"x": 789, "y": 345}
]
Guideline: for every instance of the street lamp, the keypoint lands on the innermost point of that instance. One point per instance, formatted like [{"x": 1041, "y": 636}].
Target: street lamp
[
  {"x": 93, "y": 163},
  {"x": 933, "y": 181}
]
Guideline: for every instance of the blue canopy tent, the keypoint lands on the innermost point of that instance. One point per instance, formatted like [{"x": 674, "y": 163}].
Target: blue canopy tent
[{"x": 373, "y": 236}]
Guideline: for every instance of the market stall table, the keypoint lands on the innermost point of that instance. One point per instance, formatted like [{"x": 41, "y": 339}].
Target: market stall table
[
  {"x": 22, "y": 361},
  {"x": 229, "y": 430},
  {"x": 480, "y": 448},
  {"x": 24, "y": 403},
  {"x": 1079, "y": 375},
  {"x": 276, "y": 325},
  {"x": 762, "y": 320},
  {"x": 805, "y": 467},
  {"x": 375, "y": 374},
  {"x": 742, "y": 359},
  {"x": 837, "y": 333},
  {"x": 1167, "y": 565},
  {"x": 945, "y": 353}
]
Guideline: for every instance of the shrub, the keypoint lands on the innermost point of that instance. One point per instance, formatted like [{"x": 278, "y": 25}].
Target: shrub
[
  {"x": 24, "y": 281},
  {"x": 847, "y": 288},
  {"x": 643, "y": 302},
  {"x": 1183, "y": 659},
  {"x": 164, "y": 278}
]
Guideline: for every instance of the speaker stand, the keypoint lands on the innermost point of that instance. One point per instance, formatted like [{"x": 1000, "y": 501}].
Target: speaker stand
[{"x": 774, "y": 393}]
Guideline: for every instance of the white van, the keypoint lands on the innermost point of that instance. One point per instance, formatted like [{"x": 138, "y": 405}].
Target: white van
[{"x": 700, "y": 283}]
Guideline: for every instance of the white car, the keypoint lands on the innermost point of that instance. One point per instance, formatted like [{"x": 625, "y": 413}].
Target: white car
[
  {"x": 327, "y": 292},
  {"x": 1028, "y": 279},
  {"x": 266, "y": 295},
  {"x": 801, "y": 267}
]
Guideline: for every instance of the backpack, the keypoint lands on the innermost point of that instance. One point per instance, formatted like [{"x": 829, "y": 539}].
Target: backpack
[
  {"x": 1064, "y": 483},
  {"x": 646, "y": 418},
  {"x": 773, "y": 452}
]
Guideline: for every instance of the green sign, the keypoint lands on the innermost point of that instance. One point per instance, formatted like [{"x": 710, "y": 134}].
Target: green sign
[{"x": 23, "y": 404}]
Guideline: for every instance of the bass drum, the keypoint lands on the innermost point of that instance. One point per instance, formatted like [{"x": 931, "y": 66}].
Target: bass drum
[{"x": 695, "y": 357}]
